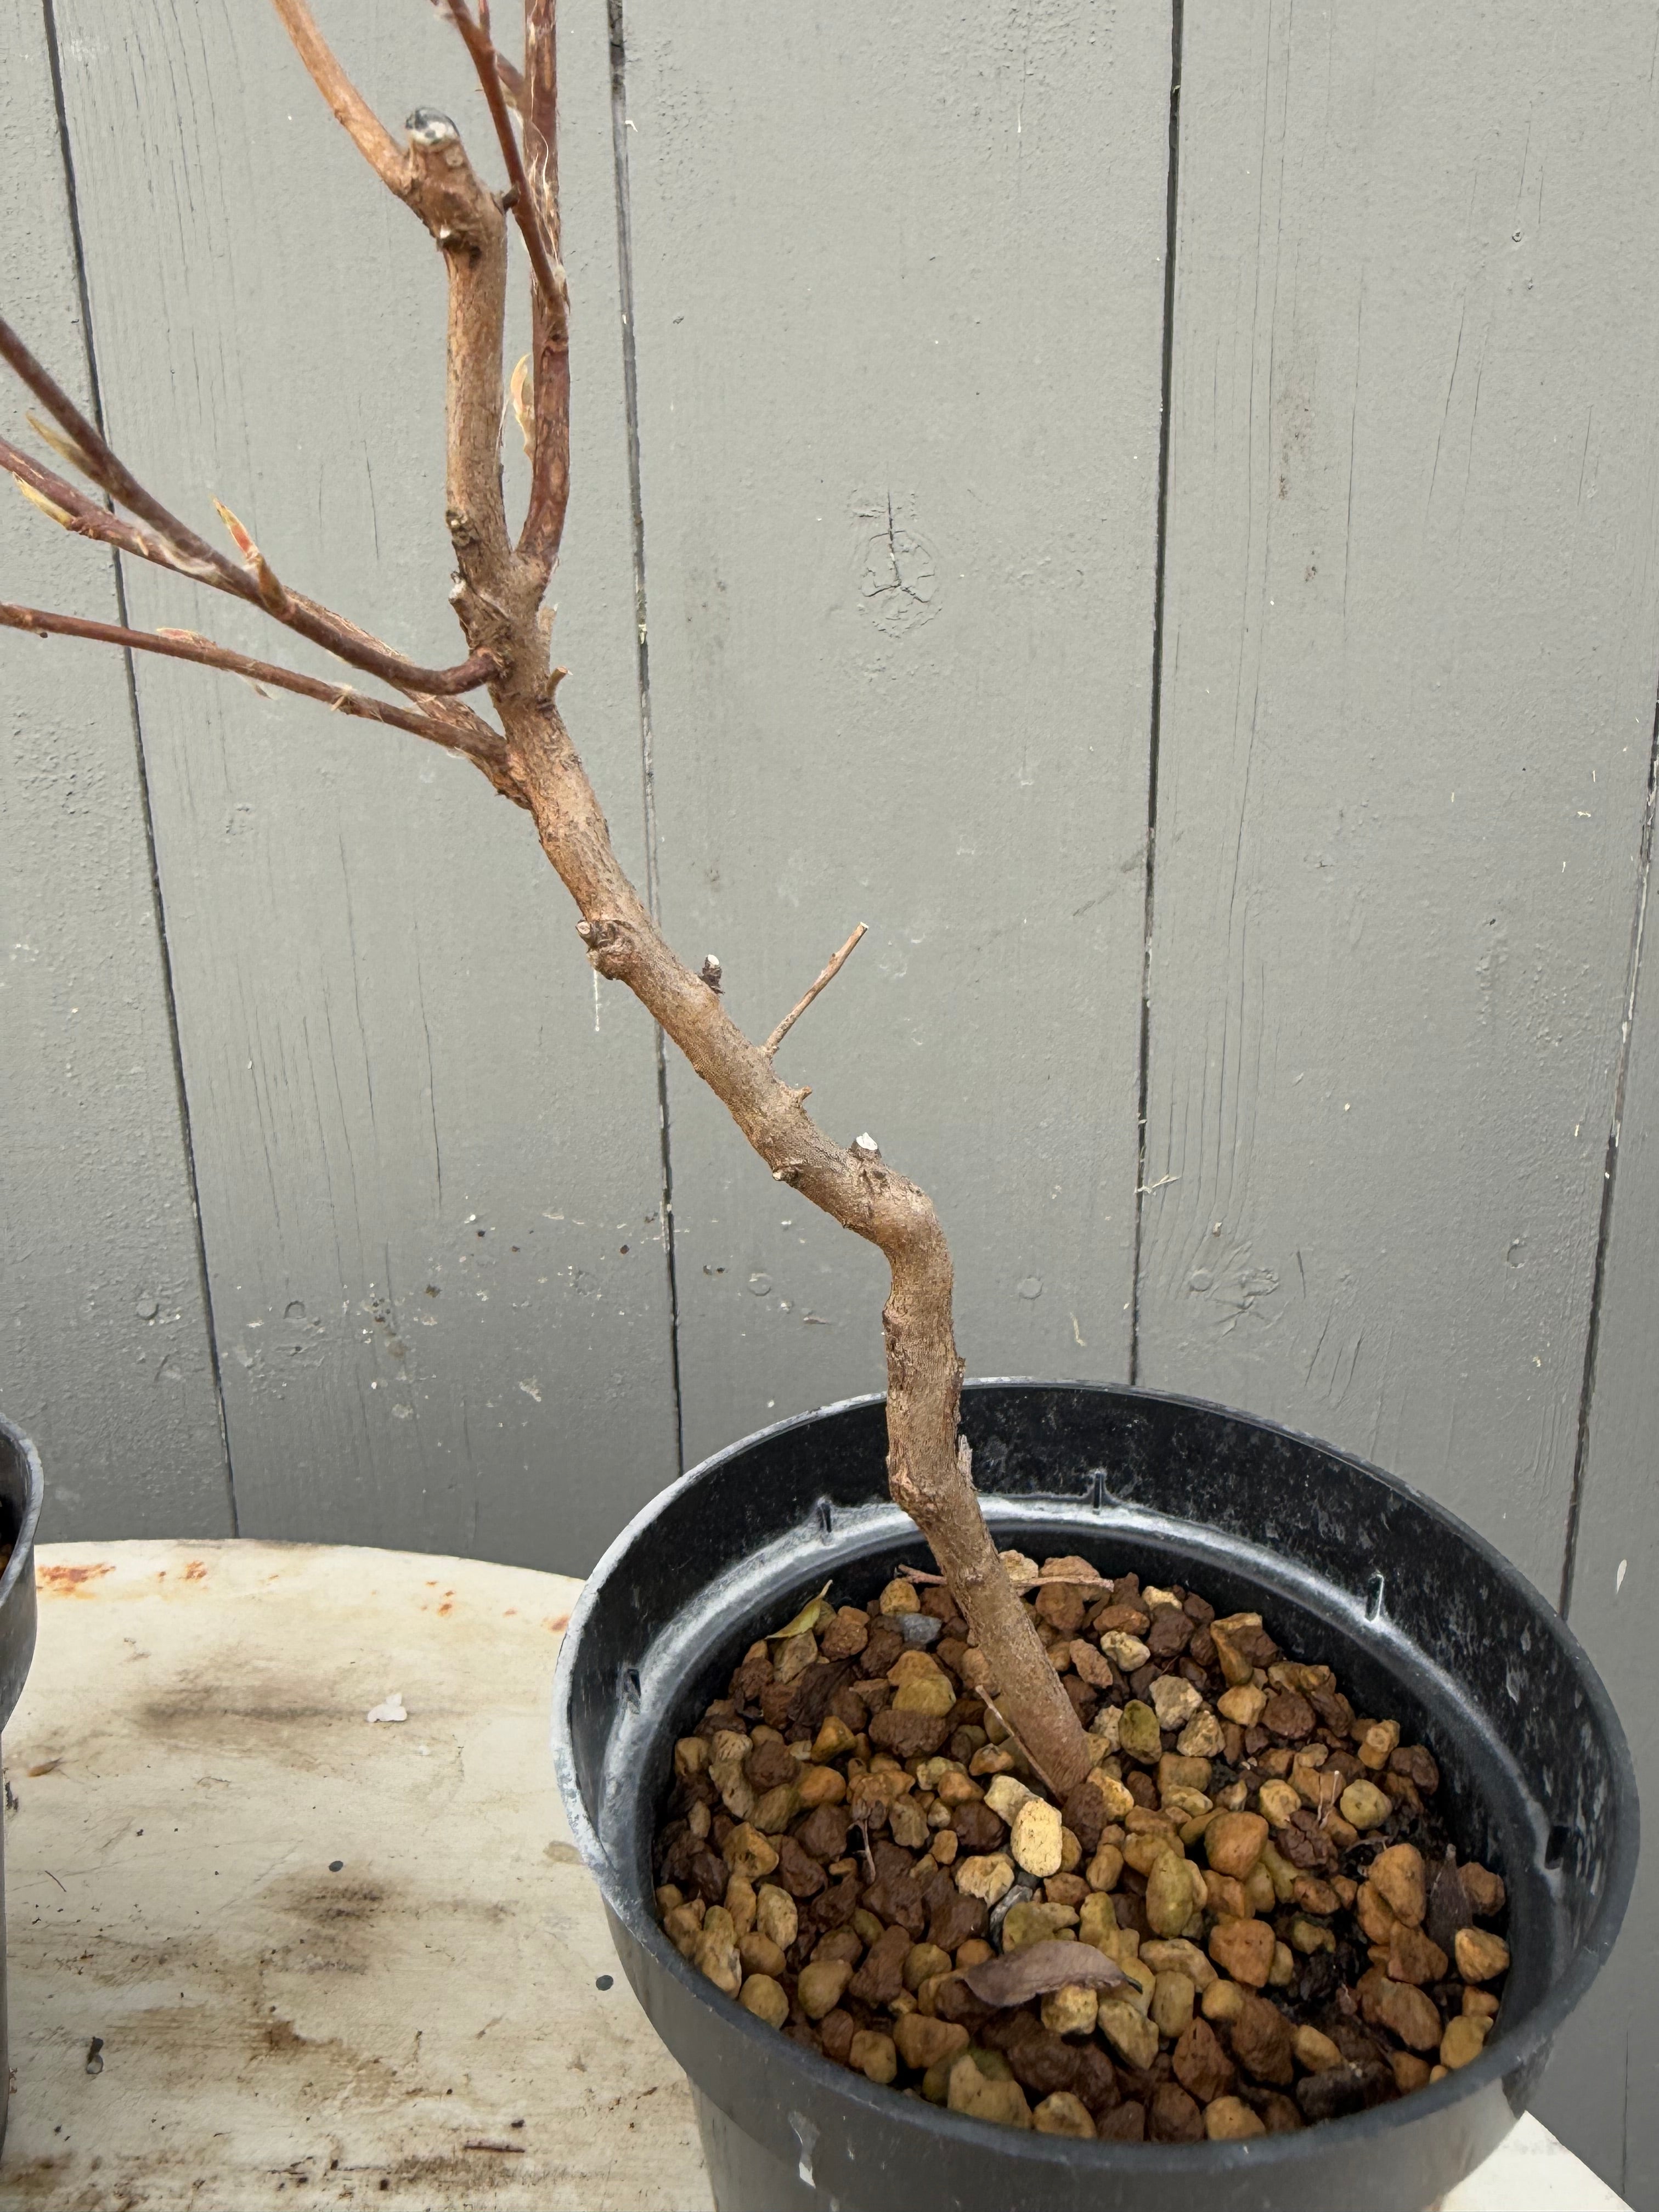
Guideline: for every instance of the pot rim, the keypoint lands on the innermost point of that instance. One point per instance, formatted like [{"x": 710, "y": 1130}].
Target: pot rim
[
  {"x": 23, "y": 1546},
  {"x": 1511, "y": 2049}
]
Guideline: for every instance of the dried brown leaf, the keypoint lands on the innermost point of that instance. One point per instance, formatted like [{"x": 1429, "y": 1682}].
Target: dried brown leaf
[
  {"x": 1448, "y": 1903},
  {"x": 815, "y": 1610},
  {"x": 1036, "y": 1968}
]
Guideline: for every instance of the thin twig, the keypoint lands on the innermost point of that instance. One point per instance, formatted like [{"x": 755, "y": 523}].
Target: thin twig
[
  {"x": 71, "y": 507},
  {"x": 829, "y": 976},
  {"x": 1038, "y": 1582},
  {"x": 185, "y": 645},
  {"x": 512, "y": 82},
  {"x": 533, "y": 200},
  {"x": 102, "y": 464},
  {"x": 550, "y": 442},
  {"x": 526, "y": 209},
  {"x": 170, "y": 544},
  {"x": 539, "y": 109},
  {"x": 364, "y": 128},
  {"x": 863, "y": 1827}
]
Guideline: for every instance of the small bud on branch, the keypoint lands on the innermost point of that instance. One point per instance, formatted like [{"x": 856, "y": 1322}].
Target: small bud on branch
[{"x": 271, "y": 593}]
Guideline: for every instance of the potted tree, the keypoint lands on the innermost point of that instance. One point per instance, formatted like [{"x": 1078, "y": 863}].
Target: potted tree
[{"x": 670, "y": 1672}]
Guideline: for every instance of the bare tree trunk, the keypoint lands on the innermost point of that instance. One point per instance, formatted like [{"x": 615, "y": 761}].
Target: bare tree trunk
[
  {"x": 497, "y": 597},
  {"x": 929, "y": 1469}
]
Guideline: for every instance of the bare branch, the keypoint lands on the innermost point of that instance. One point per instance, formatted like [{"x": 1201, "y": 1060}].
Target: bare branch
[
  {"x": 69, "y": 506},
  {"x": 538, "y": 105},
  {"x": 467, "y": 221},
  {"x": 929, "y": 1471},
  {"x": 447, "y": 206},
  {"x": 549, "y": 472},
  {"x": 347, "y": 643},
  {"x": 170, "y": 545},
  {"x": 186, "y": 645},
  {"x": 550, "y": 445},
  {"x": 367, "y": 131},
  {"x": 472, "y": 735},
  {"x": 832, "y": 969},
  {"x": 532, "y": 196},
  {"x": 512, "y": 82},
  {"x": 93, "y": 455},
  {"x": 527, "y": 207}
]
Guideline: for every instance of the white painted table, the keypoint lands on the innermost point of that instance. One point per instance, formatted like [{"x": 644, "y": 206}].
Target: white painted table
[{"x": 334, "y": 1960}]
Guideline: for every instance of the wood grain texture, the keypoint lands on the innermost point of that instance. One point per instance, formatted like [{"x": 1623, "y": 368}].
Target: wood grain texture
[
  {"x": 428, "y": 1162},
  {"x": 1411, "y": 636},
  {"x": 897, "y": 297},
  {"x": 1601, "y": 2092},
  {"x": 105, "y": 1353}
]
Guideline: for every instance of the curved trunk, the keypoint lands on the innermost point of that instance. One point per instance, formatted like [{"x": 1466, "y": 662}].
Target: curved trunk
[{"x": 928, "y": 1466}]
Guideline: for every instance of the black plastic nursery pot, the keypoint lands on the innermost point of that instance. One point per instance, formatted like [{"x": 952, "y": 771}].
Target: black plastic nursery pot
[
  {"x": 20, "y": 1510},
  {"x": 1420, "y": 1616}
]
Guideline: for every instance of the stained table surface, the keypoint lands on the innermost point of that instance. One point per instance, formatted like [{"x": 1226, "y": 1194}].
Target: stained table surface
[{"x": 262, "y": 1947}]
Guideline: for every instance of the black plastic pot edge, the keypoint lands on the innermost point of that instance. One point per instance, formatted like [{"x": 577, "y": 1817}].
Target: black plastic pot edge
[
  {"x": 1511, "y": 2065},
  {"x": 22, "y": 1486},
  {"x": 17, "y": 1606}
]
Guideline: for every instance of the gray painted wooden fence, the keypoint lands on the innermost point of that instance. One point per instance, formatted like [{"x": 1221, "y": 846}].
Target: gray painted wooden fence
[{"x": 1225, "y": 687}]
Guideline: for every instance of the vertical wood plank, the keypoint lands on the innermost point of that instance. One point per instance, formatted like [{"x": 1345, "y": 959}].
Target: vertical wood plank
[
  {"x": 1411, "y": 634},
  {"x": 1601, "y": 2092},
  {"x": 898, "y": 287},
  {"x": 105, "y": 1352},
  {"x": 430, "y": 1161}
]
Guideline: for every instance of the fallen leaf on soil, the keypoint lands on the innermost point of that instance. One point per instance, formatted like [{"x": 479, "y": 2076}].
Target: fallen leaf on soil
[
  {"x": 808, "y": 1616},
  {"x": 1036, "y": 1968}
]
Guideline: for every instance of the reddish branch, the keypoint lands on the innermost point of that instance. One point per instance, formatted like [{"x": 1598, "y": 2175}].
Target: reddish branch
[
  {"x": 185, "y": 645},
  {"x": 497, "y": 598},
  {"x": 174, "y": 545},
  {"x": 550, "y": 317},
  {"x": 529, "y": 207}
]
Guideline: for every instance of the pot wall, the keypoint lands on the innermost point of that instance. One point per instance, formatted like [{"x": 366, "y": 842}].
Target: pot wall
[
  {"x": 20, "y": 1510},
  {"x": 1418, "y": 1615}
]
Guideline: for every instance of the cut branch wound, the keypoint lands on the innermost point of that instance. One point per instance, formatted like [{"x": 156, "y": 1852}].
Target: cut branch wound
[{"x": 497, "y": 598}]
